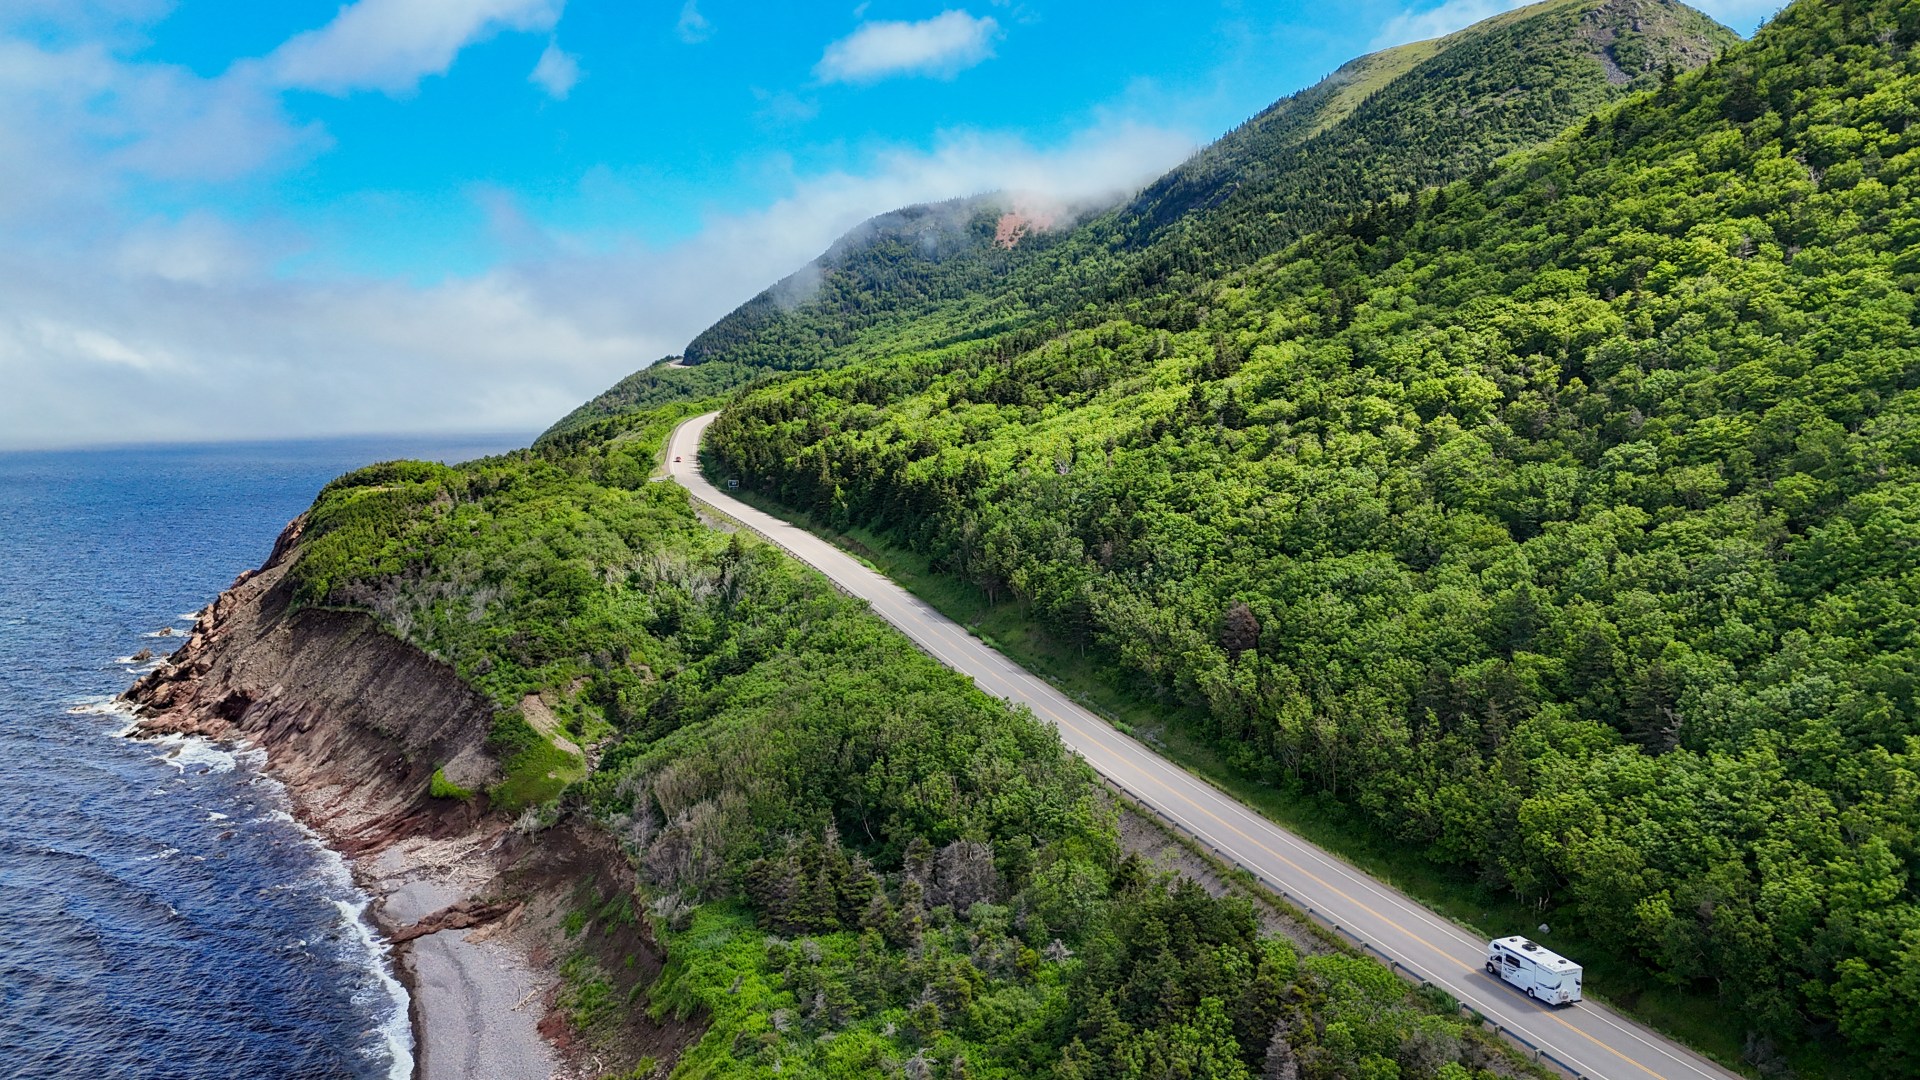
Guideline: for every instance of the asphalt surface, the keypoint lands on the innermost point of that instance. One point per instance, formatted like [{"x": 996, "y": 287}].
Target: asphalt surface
[{"x": 1586, "y": 1040}]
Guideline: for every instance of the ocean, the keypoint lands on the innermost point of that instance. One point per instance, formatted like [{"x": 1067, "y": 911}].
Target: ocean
[{"x": 161, "y": 915}]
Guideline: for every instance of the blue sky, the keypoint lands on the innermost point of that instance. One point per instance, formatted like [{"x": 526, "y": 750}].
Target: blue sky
[{"x": 224, "y": 219}]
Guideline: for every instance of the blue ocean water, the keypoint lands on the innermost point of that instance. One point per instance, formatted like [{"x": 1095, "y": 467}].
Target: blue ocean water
[{"x": 161, "y": 916}]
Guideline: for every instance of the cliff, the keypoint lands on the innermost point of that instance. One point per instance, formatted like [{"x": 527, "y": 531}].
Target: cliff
[{"x": 354, "y": 720}]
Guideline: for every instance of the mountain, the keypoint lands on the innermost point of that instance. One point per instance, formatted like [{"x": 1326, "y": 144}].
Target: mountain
[
  {"x": 1412, "y": 117},
  {"x": 1390, "y": 123},
  {"x": 1547, "y": 520},
  {"x": 740, "y": 825},
  {"x": 1557, "y": 522}
]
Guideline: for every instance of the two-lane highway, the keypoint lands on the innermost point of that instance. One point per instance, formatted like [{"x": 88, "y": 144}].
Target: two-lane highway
[{"x": 1588, "y": 1039}]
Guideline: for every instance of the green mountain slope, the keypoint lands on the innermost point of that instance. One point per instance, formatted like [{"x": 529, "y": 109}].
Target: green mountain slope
[
  {"x": 1561, "y": 523},
  {"x": 1412, "y": 117},
  {"x": 859, "y": 864},
  {"x": 1393, "y": 122}
]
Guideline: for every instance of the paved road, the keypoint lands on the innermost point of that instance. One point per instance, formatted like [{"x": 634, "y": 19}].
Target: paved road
[{"x": 1589, "y": 1039}]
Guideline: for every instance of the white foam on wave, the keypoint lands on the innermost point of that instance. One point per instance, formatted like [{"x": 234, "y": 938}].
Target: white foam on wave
[
  {"x": 385, "y": 997},
  {"x": 190, "y": 616},
  {"x": 193, "y": 752},
  {"x": 107, "y": 705},
  {"x": 163, "y": 853},
  {"x": 166, "y": 632}
]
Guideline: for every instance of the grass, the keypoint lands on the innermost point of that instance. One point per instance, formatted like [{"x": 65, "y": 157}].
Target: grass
[
  {"x": 587, "y": 996},
  {"x": 535, "y": 769},
  {"x": 534, "y": 776},
  {"x": 442, "y": 788},
  {"x": 1611, "y": 975}
]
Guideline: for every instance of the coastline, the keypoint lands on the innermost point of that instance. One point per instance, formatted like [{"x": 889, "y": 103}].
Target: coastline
[
  {"x": 477, "y": 990},
  {"x": 476, "y": 998},
  {"x": 345, "y": 715}
]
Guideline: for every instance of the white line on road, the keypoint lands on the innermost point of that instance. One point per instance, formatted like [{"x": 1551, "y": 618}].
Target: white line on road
[{"x": 1589, "y": 1040}]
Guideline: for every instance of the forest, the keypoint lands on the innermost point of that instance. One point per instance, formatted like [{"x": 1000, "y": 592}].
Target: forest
[
  {"x": 1543, "y": 497},
  {"x": 1558, "y": 521},
  {"x": 1390, "y": 123},
  {"x": 860, "y": 864}
]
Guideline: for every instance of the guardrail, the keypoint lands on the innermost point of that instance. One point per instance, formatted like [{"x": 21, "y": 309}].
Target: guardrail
[
  {"x": 742, "y": 524},
  {"x": 1540, "y": 1056}
]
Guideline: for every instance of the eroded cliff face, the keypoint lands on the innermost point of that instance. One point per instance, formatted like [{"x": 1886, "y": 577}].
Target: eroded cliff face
[{"x": 354, "y": 720}]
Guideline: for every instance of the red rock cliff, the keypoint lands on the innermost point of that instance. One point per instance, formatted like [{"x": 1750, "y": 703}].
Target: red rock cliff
[{"x": 354, "y": 720}]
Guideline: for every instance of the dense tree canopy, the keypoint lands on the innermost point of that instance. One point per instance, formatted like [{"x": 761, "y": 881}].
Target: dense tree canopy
[
  {"x": 1560, "y": 521},
  {"x": 1554, "y": 515},
  {"x": 860, "y": 864},
  {"x": 1393, "y": 122}
]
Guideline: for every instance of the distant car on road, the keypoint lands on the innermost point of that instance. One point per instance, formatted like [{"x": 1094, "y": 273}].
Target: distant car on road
[
  {"x": 1544, "y": 974},
  {"x": 676, "y": 458}
]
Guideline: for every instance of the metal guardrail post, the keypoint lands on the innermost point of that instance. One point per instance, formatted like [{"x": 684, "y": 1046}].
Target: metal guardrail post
[
  {"x": 1499, "y": 1030},
  {"x": 1561, "y": 1065}
]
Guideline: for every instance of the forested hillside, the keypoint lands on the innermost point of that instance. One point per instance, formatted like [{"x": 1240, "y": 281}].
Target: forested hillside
[
  {"x": 860, "y": 865},
  {"x": 1559, "y": 522},
  {"x": 1393, "y": 122}
]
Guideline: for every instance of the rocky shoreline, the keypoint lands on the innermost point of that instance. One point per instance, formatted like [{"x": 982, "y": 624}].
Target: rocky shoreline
[{"x": 354, "y": 722}]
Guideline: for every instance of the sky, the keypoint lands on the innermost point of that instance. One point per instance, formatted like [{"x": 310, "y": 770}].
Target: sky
[{"x": 239, "y": 220}]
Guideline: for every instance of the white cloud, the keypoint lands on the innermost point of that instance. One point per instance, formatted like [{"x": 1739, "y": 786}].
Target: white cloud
[
  {"x": 122, "y": 324},
  {"x": 199, "y": 248},
  {"x": 942, "y": 46},
  {"x": 171, "y": 330},
  {"x": 391, "y": 45},
  {"x": 557, "y": 73},
  {"x": 693, "y": 27},
  {"x": 784, "y": 107},
  {"x": 79, "y": 125}
]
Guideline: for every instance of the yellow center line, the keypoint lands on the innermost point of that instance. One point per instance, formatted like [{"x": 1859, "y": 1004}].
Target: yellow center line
[
  {"x": 1255, "y": 841},
  {"x": 1062, "y": 721},
  {"x": 1336, "y": 890}
]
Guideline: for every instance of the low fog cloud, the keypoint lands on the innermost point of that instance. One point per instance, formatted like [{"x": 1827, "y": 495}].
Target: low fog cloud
[{"x": 115, "y": 328}]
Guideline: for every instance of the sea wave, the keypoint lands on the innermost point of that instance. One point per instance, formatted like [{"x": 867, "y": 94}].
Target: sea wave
[
  {"x": 110, "y": 548},
  {"x": 107, "y": 705},
  {"x": 191, "y": 753},
  {"x": 384, "y": 996}
]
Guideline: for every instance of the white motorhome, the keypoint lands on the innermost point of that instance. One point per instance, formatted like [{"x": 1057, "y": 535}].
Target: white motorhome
[{"x": 1544, "y": 974}]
